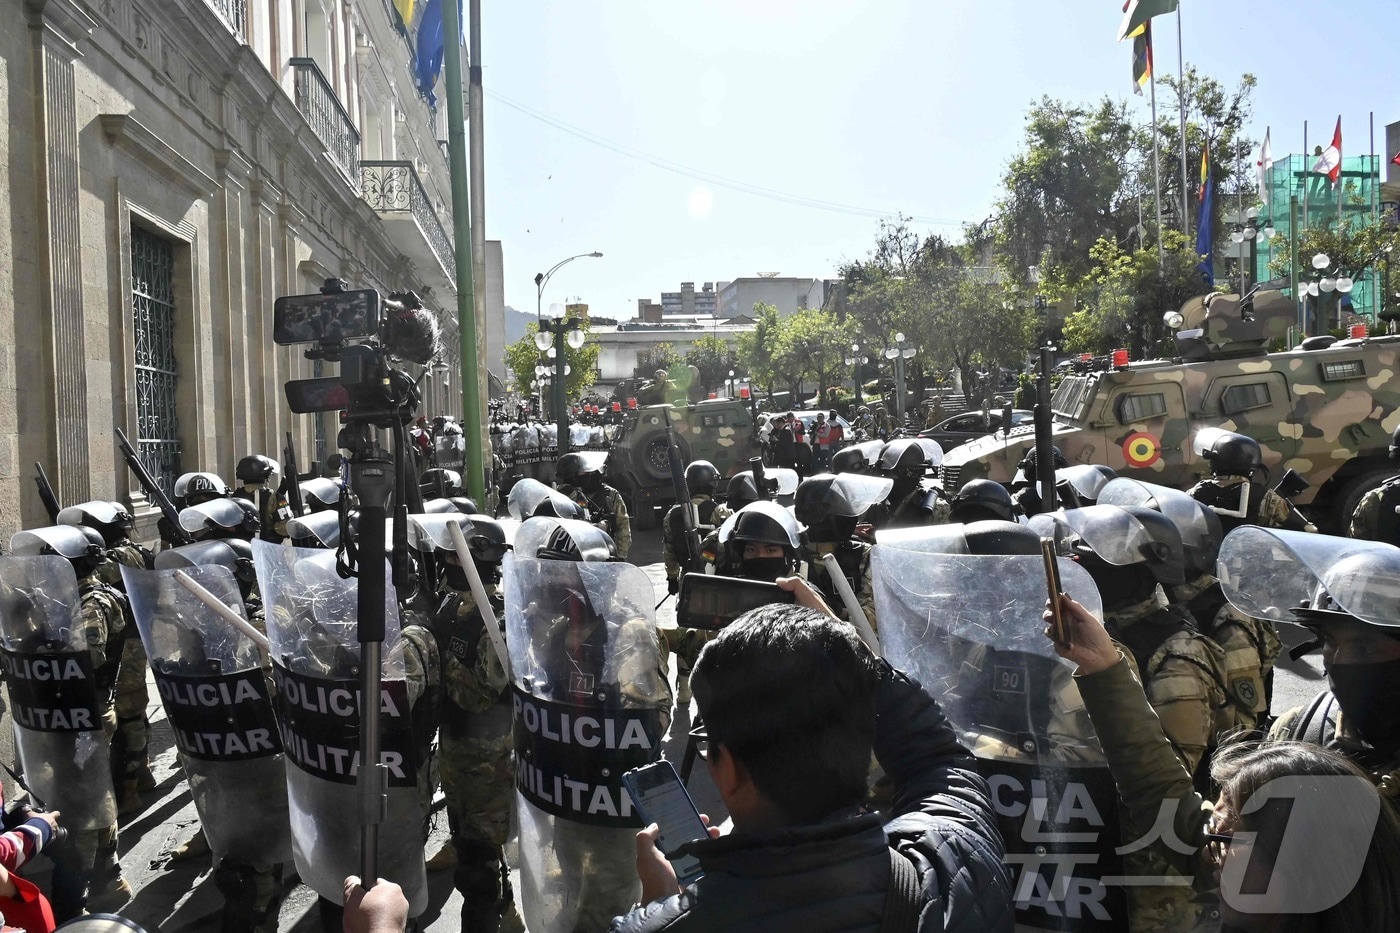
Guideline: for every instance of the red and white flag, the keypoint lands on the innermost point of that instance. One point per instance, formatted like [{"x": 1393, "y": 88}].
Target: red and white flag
[{"x": 1330, "y": 162}]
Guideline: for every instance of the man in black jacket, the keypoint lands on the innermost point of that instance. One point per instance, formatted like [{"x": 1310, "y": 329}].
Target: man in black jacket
[{"x": 793, "y": 703}]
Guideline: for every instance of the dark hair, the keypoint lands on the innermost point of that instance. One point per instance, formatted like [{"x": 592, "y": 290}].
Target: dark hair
[
  {"x": 1373, "y": 902},
  {"x": 790, "y": 692}
]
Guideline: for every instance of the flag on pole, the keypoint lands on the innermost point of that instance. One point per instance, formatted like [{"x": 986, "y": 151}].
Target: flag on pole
[
  {"x": 1330, "y": 162},
  {"x": 1136, "y": 14},
  {"x": 1396, "y": 160},
  {"x": 1142, "y": 59},
  {"x": 1266, "y": 162},
  {"x": 405, "y": 11},
  {"x": 1205, "y": 229},
  {"x": 432, "y": 42}
]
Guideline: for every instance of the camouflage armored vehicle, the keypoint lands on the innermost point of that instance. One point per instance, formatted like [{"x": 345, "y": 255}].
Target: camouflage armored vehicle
[
  {"x": 1325, "y": 408},
  {"x": 718, "y": 430}
]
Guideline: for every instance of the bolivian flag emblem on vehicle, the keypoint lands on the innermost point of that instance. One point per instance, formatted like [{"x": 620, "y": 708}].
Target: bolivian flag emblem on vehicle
[{"x": 1142, "y": 449}]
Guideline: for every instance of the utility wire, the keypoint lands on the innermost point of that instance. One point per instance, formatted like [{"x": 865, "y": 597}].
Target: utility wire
[{"x": 717, "y": 180}]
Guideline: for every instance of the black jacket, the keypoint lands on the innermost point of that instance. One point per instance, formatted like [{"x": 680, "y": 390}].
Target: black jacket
[{"x": 835, "y": 875}]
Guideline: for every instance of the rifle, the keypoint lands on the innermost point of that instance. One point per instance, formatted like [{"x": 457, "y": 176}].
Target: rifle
[
  {"x": 153, "y": 491},
  {"x": 760, "y": 480},
  {"x": 691, "y": 536},
  {"x": 46, "y": 493},
  {"x": 292, "y": 479}
]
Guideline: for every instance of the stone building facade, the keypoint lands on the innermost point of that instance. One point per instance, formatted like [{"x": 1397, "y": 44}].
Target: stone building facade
[{"x": 167, "y": 169}]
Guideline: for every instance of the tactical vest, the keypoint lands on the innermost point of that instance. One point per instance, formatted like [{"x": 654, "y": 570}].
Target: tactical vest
[
  {"x": 851, "y": 558},
  {"x": 423, "y": 718},
  {"x": 1316, "y": 724},
  {"x": 1211, "y": 493},
  {"x": 106, "y": 673}
]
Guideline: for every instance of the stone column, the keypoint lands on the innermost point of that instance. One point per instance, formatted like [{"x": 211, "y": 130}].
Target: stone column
[{"x": 58, "y": 27}]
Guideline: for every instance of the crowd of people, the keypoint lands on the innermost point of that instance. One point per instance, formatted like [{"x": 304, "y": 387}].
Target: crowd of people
[{"x": 851, "y": 736}]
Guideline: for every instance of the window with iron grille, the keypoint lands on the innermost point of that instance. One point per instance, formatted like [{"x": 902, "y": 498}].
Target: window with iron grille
[{"x": 153, "y": 312}]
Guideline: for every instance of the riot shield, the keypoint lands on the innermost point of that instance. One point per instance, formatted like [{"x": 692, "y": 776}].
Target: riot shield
[
  {"x": 969, "y": 628},
  {"x": 527, "y": 495},
  {"x": 1185, "y": 512},
  {"x": 450, "y": 451},
  {"x": 1116, "y": 536},
  {"x": 54, "y": 701},
  {"x": 592, "y": 543},
  {"x": 1086, "y": 480},
  {"x": 590, "y": 702},
  {"x": 1269, "y": 572},
  {"x": 312, "y": 624},
  {"x": 211, "y": 683}
]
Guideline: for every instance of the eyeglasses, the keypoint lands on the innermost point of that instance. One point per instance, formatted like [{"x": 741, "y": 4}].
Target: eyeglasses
[{"x": 701, "y": 739}]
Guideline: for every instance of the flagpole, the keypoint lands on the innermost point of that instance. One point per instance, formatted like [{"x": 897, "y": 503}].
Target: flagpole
[
  {"x": 1239, "y": 216},
  {"x": 1181, "y": 103},
  {"x": 1374, "y": 166},
  {"x": 1156, "y": 168},
  {"x": 1341, "y": 187},
  {"x": 1306, "y": 171}
]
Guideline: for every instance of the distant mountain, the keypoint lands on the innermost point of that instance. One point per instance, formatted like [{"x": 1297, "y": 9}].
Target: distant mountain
[{"x": 515, "y": 324}]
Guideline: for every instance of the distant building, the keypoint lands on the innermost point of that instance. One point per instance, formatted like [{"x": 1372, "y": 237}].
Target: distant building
[
  {"x": 622, "y": 346},
  {"x": 648, "y": 311},
  {"x": 688, "y": 302},
  {"x": 786, "y": 294},
  {"x": 495, "y": 309}
]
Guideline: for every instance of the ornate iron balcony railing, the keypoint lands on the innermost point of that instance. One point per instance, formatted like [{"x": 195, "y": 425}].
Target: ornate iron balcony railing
[
  {"x": 316, "y": 100},
  {"x": 395, "y": 186},
  {"x": 235, "y": 13}
]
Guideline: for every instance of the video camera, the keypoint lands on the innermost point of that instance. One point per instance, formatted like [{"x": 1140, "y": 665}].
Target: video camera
[{"x": 364, "y": 334}]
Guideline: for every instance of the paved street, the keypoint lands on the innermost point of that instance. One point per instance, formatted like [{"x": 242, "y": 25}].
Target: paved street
[{"x": 178, "y": 897}]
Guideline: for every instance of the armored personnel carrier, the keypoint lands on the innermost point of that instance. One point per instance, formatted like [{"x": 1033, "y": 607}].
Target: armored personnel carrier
[{"x": 1325, "y": 408}]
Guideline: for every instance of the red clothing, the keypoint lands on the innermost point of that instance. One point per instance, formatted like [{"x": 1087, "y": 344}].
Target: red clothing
[{"x": 28, "y": 909}]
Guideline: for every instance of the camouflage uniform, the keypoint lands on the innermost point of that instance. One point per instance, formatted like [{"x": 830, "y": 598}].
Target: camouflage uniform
[
  {"x": 685, "y": 643},
  {"x": 854, "y": 559},
  {"x": 1377, "y": 515},
  {"x": 88, "y": 865},
  {"x": 475, "y": 760},
  {"x": 130, "y": 766},
  {"x": 1179, "y": 670},
  {"x": 1383, "y": 765},
  {"x": 1264, "y": 507},
  {"x": 1250, "y": 645},
  {"x": 607, "y": 509},
  {"x": 422, "y": 670}
]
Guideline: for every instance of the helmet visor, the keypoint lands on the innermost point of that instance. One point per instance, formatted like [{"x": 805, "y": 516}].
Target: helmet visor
[{"x": 1116, "y": 536}]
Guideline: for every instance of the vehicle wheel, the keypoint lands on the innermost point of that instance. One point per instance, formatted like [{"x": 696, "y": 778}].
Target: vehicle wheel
[
  {"x": 653, "y": 457},
  {"x": 1338, "y": 519}
]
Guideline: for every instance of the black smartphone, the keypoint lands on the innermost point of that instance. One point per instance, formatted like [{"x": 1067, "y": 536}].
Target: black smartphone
[
  {"x": 711, "y": 601},
  {"x": 660, "y": 797},
  {"x": 1059, "y": 627}
]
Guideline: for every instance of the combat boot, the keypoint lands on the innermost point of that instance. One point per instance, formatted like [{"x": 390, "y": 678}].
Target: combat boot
[
  {"x": 484, "y": 881},
  {"x": 129, "y": 797},
  {"x": 683, "y": 688},
  {"x": 196, "y": 846},
  {"x": 444, "y": 859},
  {"x": 145, "y": 780}
]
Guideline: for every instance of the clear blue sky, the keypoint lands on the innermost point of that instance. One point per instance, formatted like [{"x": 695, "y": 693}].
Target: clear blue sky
[{"x": 911, "y": 106}]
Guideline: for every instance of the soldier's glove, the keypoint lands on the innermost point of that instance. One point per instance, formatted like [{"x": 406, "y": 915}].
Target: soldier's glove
[{"x": 673, "y": 585}]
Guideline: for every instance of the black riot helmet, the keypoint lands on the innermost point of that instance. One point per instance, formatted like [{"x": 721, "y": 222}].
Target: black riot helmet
[
  {"x": 830, "y": 505},
  {"x": 997, "y": 537},
  {"x": 701, "y": 478},
  {"x": 440, "y": 482},
  {"x": 982, "y": 500},
  {"x": 320, "y": 494},
  {"x": 904, "y": 457},
  {"x": 564, "y": 539},
  {"x": 464, "y": 505},
  {"x": 1229, "y": 453},
  {"x": 761, "y": 524},
  {"x": 1198, "y": 525},
  {"x": 221, "y": 518},
  {"x": 580, "y": 468},
  {"x": 256, "y": 470},
  {"x": 315, "y": 530},
  {"x": 848, "y": 460},
  {"x": 1137, "y": 536},
  {"x": 741, "y": 491},
  {"x": 1027, "y": 464},
  {"x": 1395, "y": 445},
  {"x": 80, "y": 545},
  {"x": 112, "y": 520},
  {"x": 194, "y": 488}
]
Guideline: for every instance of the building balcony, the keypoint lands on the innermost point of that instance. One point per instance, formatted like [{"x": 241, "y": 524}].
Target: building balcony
[
  {"x": 316, "y": 100},
  {"x": 235, "y": 13},
  {"x": 395, "y": 192}
]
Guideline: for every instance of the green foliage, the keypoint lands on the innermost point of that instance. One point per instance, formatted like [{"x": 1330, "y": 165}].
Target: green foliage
[
  {"x": 522, "y": 357},
  {"x": 1355, "y": 251},
  {"x": 1124, "y": 295},
  {"x": 1025, "y": 392},
  {"x": 660, "y": 356},
  {"x": 756, "y": 347},
  {"x": 783, "y": 353},
  {"x": 714, "y": 358}
]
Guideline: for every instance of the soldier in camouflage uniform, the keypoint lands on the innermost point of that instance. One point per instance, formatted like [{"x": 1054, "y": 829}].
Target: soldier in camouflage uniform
[
  {"x": 701, "y": 478},
  {"x": 131, "y": 765},
  {"x": 911, "y": 502},
  {"x": 580, "y": 477},
  {"x": 257, "y": 476},
  {"x": 831, "y": 507},
  {"x": 1230, "y": 490},
  {"x": 86, "y": 871},
  {"x": 1377, "y": 515},
  {"x": 475, "y": 744},
  {"x": 1179, "y": 668}
]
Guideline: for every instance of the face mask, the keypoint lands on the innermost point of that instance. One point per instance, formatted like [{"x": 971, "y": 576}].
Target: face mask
[
  {"x": 764, "y": 568},
  {"x": 1370, "y": 698},
  {"x": 456, "y": 578},
  {"x": 591, "y": 481},
  {"x": 1118, "y": 586}
]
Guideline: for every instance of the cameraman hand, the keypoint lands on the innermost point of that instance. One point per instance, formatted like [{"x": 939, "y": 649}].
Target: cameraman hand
[
  {"x": 806, "y": 594},
  {"x": 657, "y": 875},
  {"x": 381, "y": 909},
  {"x": 1093, "y": 648},
  {"x": 48, "y": 816}
]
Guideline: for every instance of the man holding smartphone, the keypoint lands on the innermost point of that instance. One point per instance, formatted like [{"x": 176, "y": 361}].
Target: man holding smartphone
[{"x": 793, "y": 704}]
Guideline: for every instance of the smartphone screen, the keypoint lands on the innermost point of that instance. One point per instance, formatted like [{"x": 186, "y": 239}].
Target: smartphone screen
[
  {"x": 661, "y": 798},
  {"x": 1058, "y": 626},
  {"x": 712, "y": 602}
]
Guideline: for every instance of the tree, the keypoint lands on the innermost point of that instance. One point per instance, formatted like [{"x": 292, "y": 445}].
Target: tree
[
  {"x": 659, "y": 356},
  {"x": 756, "y": 347},
  {"x": 1354, "y": 252},
  {"x": 1120, "y": 302},
  {"x": 523, "y": 356},
  {"x": 714, "y": 358},
  {"x": 811, "y": 345}
]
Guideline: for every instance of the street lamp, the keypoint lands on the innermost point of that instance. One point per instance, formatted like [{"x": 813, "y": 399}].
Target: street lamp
[
  {"x": 855, "y": 360},
  {"x": 898, "y": 354},
  {"x": 542, "y": 279},
  {"x": 565, "y": 333}
]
